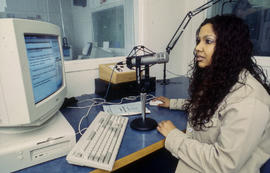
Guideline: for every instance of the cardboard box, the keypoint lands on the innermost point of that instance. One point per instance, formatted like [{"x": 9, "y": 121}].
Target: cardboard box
[{"x": 121, "y": 73}]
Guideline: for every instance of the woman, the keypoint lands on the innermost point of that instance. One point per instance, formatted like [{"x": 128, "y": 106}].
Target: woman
[{"x": 228, "y": 110}]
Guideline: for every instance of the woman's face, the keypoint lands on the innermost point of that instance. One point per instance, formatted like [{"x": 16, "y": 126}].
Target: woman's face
[{"x": 206, "y": 43}]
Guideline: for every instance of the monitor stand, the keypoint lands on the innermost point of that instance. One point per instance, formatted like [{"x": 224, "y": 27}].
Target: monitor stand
[{"x": 143, "y": 124}]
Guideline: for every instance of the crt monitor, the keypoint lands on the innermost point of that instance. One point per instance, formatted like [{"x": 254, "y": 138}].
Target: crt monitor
[{"x": 32, "y": 79}]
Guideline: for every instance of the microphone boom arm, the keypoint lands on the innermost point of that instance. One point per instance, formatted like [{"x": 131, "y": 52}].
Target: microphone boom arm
[{"x": 186, "y": 21}]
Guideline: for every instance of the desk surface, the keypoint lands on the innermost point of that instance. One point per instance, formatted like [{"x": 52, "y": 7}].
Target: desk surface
[{"x": 130, "y": 151}]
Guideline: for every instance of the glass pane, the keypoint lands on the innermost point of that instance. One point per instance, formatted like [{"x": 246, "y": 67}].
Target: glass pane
[
  {"x": 90, "y": 28},
  {"x": 108, "y": 26},
  {"x": 256, "y": 14}
]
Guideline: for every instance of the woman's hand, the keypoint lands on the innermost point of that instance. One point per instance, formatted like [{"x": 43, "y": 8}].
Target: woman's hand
[
  {"x": 164, "y": 127},
  {"x": 165, "y": 100}
]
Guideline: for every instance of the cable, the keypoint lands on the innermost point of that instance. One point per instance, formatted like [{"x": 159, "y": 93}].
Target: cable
[
  {"x": 101, "y": 101},
  {"x": 48, "y": 14},
  {"x": 109, "y": 85},
  {"x": 62, "y": 20},
  {"x": 80, "y": 122}
]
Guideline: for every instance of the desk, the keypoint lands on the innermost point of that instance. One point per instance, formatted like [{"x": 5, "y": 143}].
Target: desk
[{"x": 135, "y": 144}]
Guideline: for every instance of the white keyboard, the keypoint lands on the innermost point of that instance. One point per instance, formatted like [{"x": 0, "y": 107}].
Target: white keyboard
[{"x": 100, "y": 143}]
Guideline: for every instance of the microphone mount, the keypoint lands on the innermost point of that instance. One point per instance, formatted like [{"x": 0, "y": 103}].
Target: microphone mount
[{"x": 137, "y": 53}]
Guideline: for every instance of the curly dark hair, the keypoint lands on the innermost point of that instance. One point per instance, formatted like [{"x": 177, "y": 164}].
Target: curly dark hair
[{"x": 233, "y": 53}]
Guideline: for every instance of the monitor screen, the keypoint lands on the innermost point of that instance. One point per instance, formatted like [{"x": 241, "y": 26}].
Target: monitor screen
[{"x": 45, "y": 64}]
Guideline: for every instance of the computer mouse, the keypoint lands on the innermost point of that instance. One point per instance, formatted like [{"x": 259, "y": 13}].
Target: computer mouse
[{"x": 155, "y": 102}]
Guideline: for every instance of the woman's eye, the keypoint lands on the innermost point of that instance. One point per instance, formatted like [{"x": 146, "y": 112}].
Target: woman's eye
[
  {"x": 209, "y": 41},
  {"x": 197, "y": 41}
]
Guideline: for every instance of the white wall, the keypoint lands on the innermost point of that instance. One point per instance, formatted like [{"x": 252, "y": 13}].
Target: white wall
[{"x": 156, "y": 22}]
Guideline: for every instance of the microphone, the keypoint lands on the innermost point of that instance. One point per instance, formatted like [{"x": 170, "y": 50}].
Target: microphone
[{"x": 157, "y": 58}]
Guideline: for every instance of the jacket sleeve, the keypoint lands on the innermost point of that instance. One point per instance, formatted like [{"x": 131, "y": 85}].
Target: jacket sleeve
[
  {"x": 240, "y": 133},
  {"x": 177, "y": 104}
]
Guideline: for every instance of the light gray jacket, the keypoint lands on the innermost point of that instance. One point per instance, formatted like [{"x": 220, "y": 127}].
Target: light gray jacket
[{"x": 238, "y": 141}]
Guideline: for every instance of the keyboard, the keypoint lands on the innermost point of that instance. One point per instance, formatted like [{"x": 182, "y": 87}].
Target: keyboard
[{"x": 99, "y": 145}]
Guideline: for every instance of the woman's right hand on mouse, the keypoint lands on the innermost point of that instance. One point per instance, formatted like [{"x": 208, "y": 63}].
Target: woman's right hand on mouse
[{"x": 165, "y": 100}]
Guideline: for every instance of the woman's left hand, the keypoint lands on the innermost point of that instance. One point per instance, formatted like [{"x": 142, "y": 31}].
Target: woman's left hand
[{"x": 164, "y": 127}]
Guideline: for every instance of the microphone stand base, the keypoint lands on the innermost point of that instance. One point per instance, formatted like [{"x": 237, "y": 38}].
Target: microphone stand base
[
  {"x": 147, "y": 124},
  {"x": 165, "y": 82}
]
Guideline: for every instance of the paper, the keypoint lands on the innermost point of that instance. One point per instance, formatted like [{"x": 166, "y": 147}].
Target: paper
[
  {"x": 106, "y": 45},
  {"x": 125, "y": 109},
  {"x": 3, "y": 5}
]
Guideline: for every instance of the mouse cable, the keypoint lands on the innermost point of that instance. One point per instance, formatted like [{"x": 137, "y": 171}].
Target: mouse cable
[{"x": 101, "y": 101}]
